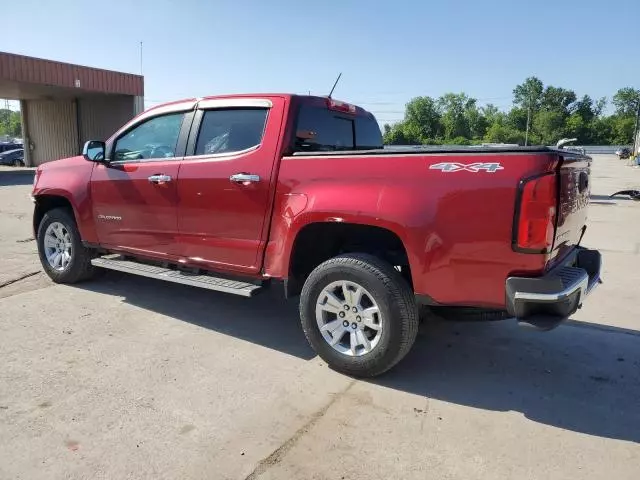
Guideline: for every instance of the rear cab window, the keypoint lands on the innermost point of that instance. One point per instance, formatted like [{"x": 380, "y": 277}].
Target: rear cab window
[{"x": 321, "y": 129}]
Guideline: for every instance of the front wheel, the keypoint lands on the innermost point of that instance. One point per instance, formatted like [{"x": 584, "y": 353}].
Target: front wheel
[
  {"x": 358, "y": 314},
  {"x": 62, "y": 254}
]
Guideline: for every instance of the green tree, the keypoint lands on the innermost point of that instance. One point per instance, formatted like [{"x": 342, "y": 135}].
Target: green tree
[
  {"x": 549, "y": 125},
  {"x": 422, "y": 119},
  {"x": 529, "y": 94},
  {"x": 601, "y": 131},
  {"x": 577, "y": 127},
  {"x": 557, "y": 99},
  {"x": 491, "y": 113},
  {"x": 517, "y": 118},
  {"x": 626, "y": 100},
  {"x": 551, "y": 112},
  {"x": 585, "y": 109},
  {"x": 499, "y": 132},
  {"x": 600, "y": 106},
  {"x": 10, "y": 123},
  {"x": 399, "y": 134},
  {"x": 454, "y": 117},
  {"x": 476, "y": 120},
  {"x": 622, "y": 129}
]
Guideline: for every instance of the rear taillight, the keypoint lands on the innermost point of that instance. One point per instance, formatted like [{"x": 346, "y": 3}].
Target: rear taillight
[{"x": 537, "y": 217}]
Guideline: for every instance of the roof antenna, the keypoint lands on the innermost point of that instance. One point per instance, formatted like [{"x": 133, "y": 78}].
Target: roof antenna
[{"x": 334, "y": 85}]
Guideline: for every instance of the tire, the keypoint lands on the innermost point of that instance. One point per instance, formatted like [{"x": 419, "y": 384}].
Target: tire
[
  {"x": 390, "y": 294},
  {"x": 18, "y": 163},
  {"x": 78, "y": 267}
]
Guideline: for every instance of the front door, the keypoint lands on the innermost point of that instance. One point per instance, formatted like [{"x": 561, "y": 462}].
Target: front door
[
  {"x": 225, "y": 182},
  {"x": 134, "y": 196}
]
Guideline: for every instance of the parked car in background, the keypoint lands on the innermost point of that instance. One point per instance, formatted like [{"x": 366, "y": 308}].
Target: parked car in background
[
  {"x": 6, "y": 146},
  {"x": 623, "y": 153},
  {"x": 13, "y": 157}
]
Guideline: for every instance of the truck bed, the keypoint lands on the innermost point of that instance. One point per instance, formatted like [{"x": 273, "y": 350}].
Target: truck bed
[{"x": 445, "y": 149}]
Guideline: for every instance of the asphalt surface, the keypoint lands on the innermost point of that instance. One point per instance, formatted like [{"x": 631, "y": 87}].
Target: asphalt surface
[{"x": 132, "y": 378}]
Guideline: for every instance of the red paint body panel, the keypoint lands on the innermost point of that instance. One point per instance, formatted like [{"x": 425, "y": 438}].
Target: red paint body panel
[
  {"x": 456, "y": 226},
  {"x": 133, "y": 214},
  {"x": 223, "y": 225},
  {"x": 69, "y": 178}
]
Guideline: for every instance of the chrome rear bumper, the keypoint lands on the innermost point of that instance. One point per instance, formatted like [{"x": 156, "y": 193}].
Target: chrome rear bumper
[{"x": 544, "y": 302}]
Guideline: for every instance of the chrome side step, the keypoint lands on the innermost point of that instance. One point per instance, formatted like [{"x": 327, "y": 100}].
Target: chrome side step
[{"x": 209, "y": 282}]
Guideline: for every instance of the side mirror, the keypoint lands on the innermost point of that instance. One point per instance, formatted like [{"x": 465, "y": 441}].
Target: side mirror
[{"x": 93, "y": 151}]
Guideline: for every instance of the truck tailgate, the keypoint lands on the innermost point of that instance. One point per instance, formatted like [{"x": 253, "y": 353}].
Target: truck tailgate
[{"x": 574, "y": 184}]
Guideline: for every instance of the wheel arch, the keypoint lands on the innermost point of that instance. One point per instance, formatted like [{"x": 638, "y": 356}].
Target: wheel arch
[
  {"x": 316, "y": 242},
  {"x": 45, "y": 203}
]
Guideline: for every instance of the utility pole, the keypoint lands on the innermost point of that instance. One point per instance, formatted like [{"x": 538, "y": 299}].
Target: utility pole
[
  {"x": 7, "y": 107},
  {"x": 636, "y": 134},
  {"x": 139, "y": 102},
  {"x": 526, "y": 135}
]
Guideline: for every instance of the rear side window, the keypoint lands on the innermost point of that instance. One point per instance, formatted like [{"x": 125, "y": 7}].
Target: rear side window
[
  {"x": 321, "y": 129},
  {"x": 230, "y": 130}
]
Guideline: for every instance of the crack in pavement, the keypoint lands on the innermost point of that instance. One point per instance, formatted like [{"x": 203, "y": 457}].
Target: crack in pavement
[
  {"x": 22, "y": 277},
  {"x": 279, "y": 453}
]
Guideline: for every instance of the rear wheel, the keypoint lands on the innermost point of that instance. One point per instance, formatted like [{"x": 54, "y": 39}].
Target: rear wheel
[
  {"x": 62, "y": 254},
  {"x": 358, "y": 314},
  {"x": 18, "y": 163}
]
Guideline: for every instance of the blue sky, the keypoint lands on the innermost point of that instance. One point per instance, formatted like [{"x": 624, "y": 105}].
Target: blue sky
[{"x": 388, "y": 52}]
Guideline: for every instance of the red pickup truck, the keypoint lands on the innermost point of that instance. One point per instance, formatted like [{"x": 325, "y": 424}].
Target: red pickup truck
[{"x": 239, "y": 193}]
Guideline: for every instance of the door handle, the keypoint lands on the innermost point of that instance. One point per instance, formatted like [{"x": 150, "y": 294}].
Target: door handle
[
  {"x": 244, "y": 178},
  {"x": 160, "y": 178}
]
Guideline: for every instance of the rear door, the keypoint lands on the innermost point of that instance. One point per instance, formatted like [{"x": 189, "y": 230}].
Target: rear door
[
  {"x": 226, "y": 182},
  {"x": 134, "y": 196}
]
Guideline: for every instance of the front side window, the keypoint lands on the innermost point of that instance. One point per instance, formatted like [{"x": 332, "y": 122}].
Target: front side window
[
  {"x": 155, "y": 138},
  {"x": 230, "y": 130}
]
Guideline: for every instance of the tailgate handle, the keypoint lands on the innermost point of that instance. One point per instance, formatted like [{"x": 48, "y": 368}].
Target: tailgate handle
[{"x": 583, "y": 181}]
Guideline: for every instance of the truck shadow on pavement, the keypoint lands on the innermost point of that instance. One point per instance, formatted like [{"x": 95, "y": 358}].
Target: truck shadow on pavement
[
  {"x": 267, "y": 319},
  {"x": 16, "y": 177},
  {"x": 582, "y": 377}
]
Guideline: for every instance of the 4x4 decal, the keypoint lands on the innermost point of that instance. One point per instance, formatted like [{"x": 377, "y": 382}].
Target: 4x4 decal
[{"x": 467, "y": 167}]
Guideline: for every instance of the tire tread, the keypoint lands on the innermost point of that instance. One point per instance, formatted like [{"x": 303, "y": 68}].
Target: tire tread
[
  {"x": 81, "y": 269},
  {"x": 401, "y": 295}
]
